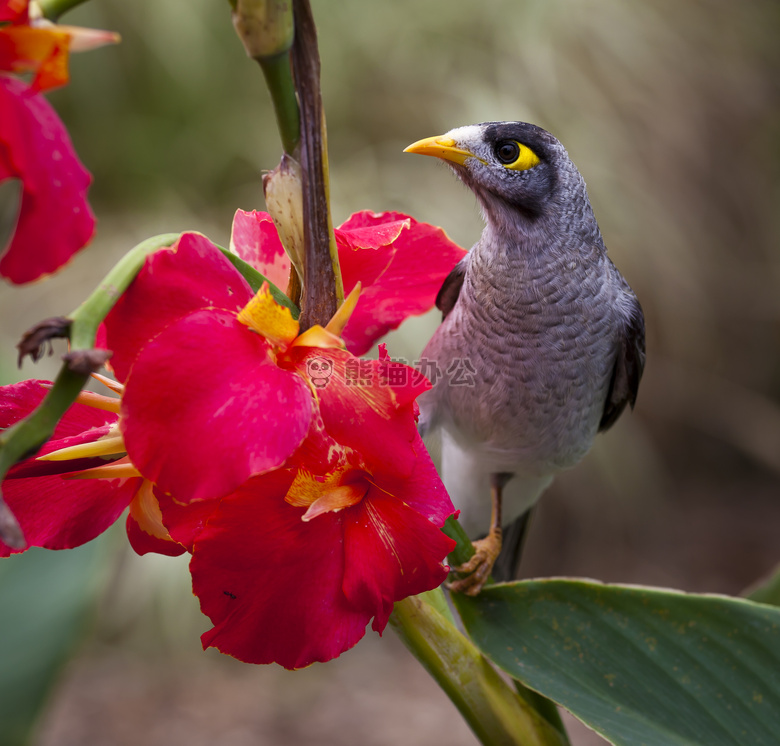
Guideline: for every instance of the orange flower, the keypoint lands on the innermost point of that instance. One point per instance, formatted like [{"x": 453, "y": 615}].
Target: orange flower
[{"x": 29, "y": 44}]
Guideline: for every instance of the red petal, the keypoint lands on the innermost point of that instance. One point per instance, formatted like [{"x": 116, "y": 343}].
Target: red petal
[
  {"x": 55, "y": 220},
  {"x": 270, "y": 583},
  {"x": 423, "y": 257},
  {"x": 422, "y": 490},
  {"x": 19, "y": 399},
  {"x": 144, "y": 543},
  {"x": 256, "y": 240},
  {"x": 34, "y": 468},
  {"x": 360, "y": 410},
  {"x": 53, "y": 511},
  {"x": 59, "y": 513},
  {"x": 368, "y": 230},
  {"x": 366, "y": 252},
  {"x": 13, "y": 10},
  {"x": 391, "y": 552},
  {"x": 191, "y": 274},
  {"x": 81, "y": 424},
  {"x": 205, "y": 408},
  {"x": 185, "y": 522}
]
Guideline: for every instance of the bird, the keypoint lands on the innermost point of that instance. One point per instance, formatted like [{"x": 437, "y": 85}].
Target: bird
[{"x": 541, "y": 344}]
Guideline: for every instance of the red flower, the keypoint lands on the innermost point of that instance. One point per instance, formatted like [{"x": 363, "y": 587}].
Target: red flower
[
  {"x": 55, "y": 220},
  {"x": 291, "y": 470}
]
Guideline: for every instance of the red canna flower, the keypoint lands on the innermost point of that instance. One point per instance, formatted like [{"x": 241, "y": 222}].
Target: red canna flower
[
  {"x": 55, "y": 220},
  {"x": 291, "y": 470}
]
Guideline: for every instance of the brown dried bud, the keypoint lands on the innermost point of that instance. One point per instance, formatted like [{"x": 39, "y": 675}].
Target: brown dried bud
[
  {"x": 35, "y": 341},
  {"x": 86, "y": 362}
]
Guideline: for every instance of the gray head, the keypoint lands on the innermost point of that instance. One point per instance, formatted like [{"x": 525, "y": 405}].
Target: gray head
[{"x": 519, "y": 172}]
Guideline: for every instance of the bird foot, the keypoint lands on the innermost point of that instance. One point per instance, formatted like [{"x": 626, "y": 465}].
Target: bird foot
[{"x": 477, "y": 569}]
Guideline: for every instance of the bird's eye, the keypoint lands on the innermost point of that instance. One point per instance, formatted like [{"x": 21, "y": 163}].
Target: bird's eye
[
  {"x": 515, "y": 155},
  {"x": 507, "y": 151}
]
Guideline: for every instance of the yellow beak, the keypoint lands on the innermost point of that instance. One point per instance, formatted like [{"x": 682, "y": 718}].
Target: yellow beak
[{"x": 441, "y": 147}]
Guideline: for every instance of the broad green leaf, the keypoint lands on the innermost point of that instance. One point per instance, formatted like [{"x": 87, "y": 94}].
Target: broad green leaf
[
  {"x": 638, "y": 665},
  {"x": 45, "y": 598}
]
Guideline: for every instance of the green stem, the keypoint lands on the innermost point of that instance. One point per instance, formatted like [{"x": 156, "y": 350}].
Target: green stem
[
  {"x": 278, "y": 78},
  {"x": 462, "y": 553},
  {"x": 25, "y": 437},
  {"x": 489, "y": 705},
  {"x": 53, "y": 9}
]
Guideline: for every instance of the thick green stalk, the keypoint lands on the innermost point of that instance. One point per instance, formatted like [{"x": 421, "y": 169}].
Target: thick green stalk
[
  {"x": 266, "y": 28},
  {"x": 25, "y": 437},
  {"x": 493, "y": 710},
  {"x": 278, "y": 78},
  {"x": 462, "y": 553},
  {"x": 53, "y": 9}
]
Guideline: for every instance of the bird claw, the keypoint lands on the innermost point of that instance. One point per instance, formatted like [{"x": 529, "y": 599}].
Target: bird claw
[{"x": 477, "y": 569}]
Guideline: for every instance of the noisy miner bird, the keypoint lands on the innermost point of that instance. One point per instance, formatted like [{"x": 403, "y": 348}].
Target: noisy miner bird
[{"x": 542, "y": 341}]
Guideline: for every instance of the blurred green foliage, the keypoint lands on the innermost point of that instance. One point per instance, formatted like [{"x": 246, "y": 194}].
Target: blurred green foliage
[{"x": 60, "y": 587}]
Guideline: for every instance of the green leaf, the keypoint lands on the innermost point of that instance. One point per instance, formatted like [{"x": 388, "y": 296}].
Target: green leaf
[
  {"x": 638, "y": 665},
  {"x": 45, "y": 599}
]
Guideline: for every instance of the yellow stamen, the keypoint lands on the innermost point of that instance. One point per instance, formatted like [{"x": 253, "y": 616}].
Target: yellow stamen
[
  {"x": 305, "y": 489},
  {"x": 110, "y": 446},
  {"x": 121, "y": 469},
  {"x": 115, "y": 386},
  {"x": 146, "y": 511},
  {"x": 326, "y": 496},
  {"x": 98, "y": 401},
  {"x": 317, "y": 336},
  {"x": 341, "y": 317},
  {"x": 336, "y": 499},
  {"x": 269, "y": 319}
]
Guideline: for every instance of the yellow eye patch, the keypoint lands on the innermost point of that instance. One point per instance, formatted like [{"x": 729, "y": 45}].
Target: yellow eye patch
[{"x": 515, "y": 155}]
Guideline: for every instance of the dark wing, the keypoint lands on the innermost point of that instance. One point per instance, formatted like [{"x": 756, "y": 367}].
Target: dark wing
[
  {"x": 629, "y": 364},
  {"x": 450, "y": 288}
]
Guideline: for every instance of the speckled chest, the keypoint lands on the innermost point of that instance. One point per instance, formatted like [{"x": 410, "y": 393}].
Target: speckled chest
[{"x": 538, "y": 336}]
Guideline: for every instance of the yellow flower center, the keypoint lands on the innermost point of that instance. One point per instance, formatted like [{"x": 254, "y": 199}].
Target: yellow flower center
[{"x": 342, "y": 489}]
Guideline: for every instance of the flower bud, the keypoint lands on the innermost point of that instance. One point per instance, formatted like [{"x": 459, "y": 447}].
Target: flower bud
[
  {"x": 264, "y": 26},
  {"x": 284, "y": 199}
]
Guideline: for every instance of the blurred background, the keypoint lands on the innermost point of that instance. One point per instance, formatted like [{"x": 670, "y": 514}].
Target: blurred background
[{"x": 670, "y": 110}]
